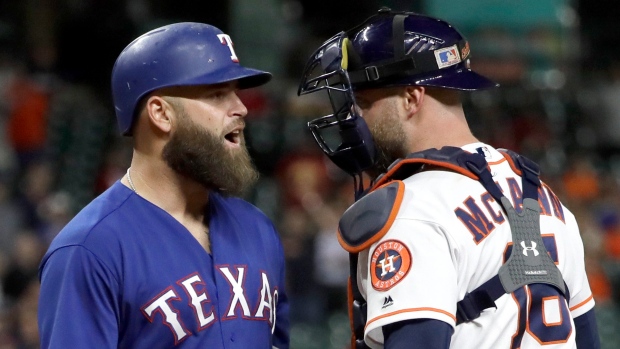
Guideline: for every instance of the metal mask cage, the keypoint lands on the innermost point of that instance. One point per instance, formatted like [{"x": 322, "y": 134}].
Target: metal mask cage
[{"x": 342, "y": 135}]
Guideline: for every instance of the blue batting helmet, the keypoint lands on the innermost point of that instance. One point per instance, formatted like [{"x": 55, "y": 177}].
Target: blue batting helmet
[{"x": 180, "y": 54}]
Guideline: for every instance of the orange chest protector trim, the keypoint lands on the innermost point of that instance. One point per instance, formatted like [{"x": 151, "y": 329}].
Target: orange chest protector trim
[{"x": 371, "y": 217}]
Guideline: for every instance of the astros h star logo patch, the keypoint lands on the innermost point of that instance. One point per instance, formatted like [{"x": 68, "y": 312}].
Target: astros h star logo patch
[{"x": 389, "y": 264}]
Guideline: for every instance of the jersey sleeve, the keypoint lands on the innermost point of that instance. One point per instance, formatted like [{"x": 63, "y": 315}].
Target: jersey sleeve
[
  {"x": 426, "y": 333},
  {"x": 77, "y": 302},
  {"x": 581, "y": 299},
  {"x": 408, "y": 274},
  {"x": 587, "y": 331}
]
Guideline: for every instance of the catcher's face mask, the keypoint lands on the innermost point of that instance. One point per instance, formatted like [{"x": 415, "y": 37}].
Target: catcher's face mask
[{"x": 343, "y": 136}]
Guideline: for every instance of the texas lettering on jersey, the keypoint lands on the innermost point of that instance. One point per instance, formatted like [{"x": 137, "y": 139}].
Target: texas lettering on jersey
[
  {"x": 481, "y": 222},
  {"x": 139, "y": 279},
  {"x": 164, "y": 307}
]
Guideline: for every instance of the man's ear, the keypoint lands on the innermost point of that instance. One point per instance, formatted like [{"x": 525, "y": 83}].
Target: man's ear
[
  {"x": 414, "y": 97},
  {"x": 160, "y": 114}
]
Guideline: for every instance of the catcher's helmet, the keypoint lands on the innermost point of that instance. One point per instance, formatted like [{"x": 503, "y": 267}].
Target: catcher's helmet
[
  {"x": 388, "y": 49},
  {"x": 401, "y": 48},
  {"x": 180, "y": 54}
]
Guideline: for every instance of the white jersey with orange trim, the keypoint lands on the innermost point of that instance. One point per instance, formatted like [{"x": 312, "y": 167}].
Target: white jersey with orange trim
[{"x": 449, "y": 237}]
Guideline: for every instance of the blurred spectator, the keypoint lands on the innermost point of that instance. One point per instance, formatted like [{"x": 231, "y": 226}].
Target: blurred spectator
[
  {"x": 115, "y": 164},
  {"x": 605, "y": 110},
  {"x": 303, "y": 178},
  {"x": 79, "y": 128},
  {"x": 25, "y": 317},
  {"x": 55, "y": 211},
  {"x": 607, "y": 211},
  {"x": 27, "y": 124},
  {"x": 8, "y": 339},
  {"x": 35, "y": 186},
  {"x": 298, "y": 233},
  {"x": 331, "y": 261},
  {"x": 531, "y": 131},
  {"x": 581, "y": 180},
  {"x": 23, "y": 268},
  {"x": 11, "y": 217},
  {"x": 594, "y": 249}
]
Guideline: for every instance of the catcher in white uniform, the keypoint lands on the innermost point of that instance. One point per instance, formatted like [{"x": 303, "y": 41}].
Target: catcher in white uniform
[{"x": 456, "y": 244}]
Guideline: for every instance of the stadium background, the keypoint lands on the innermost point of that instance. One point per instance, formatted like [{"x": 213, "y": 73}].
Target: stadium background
[{"x": 559, "y": 104}]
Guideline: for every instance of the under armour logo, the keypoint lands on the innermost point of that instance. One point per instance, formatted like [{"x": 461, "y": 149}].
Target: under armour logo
[
  {"x": 387, "y": 301},
  {"x": 529, "y": 248},
  {"x": 387, "y": 265}
]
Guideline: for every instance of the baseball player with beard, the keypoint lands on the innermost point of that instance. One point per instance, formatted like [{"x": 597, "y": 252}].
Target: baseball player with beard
[
  {"x": 455, "y": 244},
  {"x": 168, "y": 256}
]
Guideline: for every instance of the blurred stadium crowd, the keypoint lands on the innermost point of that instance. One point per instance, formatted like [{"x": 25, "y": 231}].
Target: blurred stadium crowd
[{"x": 59, "y": 147}]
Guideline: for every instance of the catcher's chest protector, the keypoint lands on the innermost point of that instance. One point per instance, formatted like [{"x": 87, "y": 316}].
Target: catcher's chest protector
[{"x": 371, "y": 217}]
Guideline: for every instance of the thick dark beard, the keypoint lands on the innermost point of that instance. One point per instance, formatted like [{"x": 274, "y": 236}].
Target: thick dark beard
[
  {"x": 390, "y": 141},
  {"x": 202, "y": 156}
]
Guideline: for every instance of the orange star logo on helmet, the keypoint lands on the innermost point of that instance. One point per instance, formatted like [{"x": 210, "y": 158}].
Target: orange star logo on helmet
[{"x": 389, "y": 264}]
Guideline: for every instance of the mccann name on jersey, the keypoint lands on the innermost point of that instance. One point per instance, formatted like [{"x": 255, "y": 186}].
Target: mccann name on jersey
[{"x": 481, "y": 216}]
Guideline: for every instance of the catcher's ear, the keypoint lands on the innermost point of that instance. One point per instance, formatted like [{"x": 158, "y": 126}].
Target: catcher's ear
[
  {"x": 160, "y": 113},
  {"x": 414, "y": 97}
]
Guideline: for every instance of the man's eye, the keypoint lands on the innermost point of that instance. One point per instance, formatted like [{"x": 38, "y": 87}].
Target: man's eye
[{"x": 217, "y": 95}]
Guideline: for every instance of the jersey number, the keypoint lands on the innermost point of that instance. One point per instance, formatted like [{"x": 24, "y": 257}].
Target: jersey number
[{"x": 543, "y": 310}]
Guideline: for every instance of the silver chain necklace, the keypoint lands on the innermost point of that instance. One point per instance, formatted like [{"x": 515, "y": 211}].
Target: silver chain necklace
[{"x": 130, "y": 181}]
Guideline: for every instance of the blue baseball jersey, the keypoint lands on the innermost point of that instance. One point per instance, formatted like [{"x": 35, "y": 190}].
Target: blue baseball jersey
[{"x": 125, "y": 274}]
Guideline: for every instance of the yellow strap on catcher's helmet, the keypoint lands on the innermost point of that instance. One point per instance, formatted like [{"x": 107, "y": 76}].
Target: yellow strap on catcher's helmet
[{"x": 345, "y": 55}]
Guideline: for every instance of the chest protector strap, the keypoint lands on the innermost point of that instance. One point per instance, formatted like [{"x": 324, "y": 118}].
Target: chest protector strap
[{"x": 523, "y": 267}]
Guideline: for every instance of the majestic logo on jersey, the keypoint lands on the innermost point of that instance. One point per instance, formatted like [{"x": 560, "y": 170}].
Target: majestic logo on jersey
[
  {"x": 390, "y": 262},
  {"x": 387, "y": 302}
]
